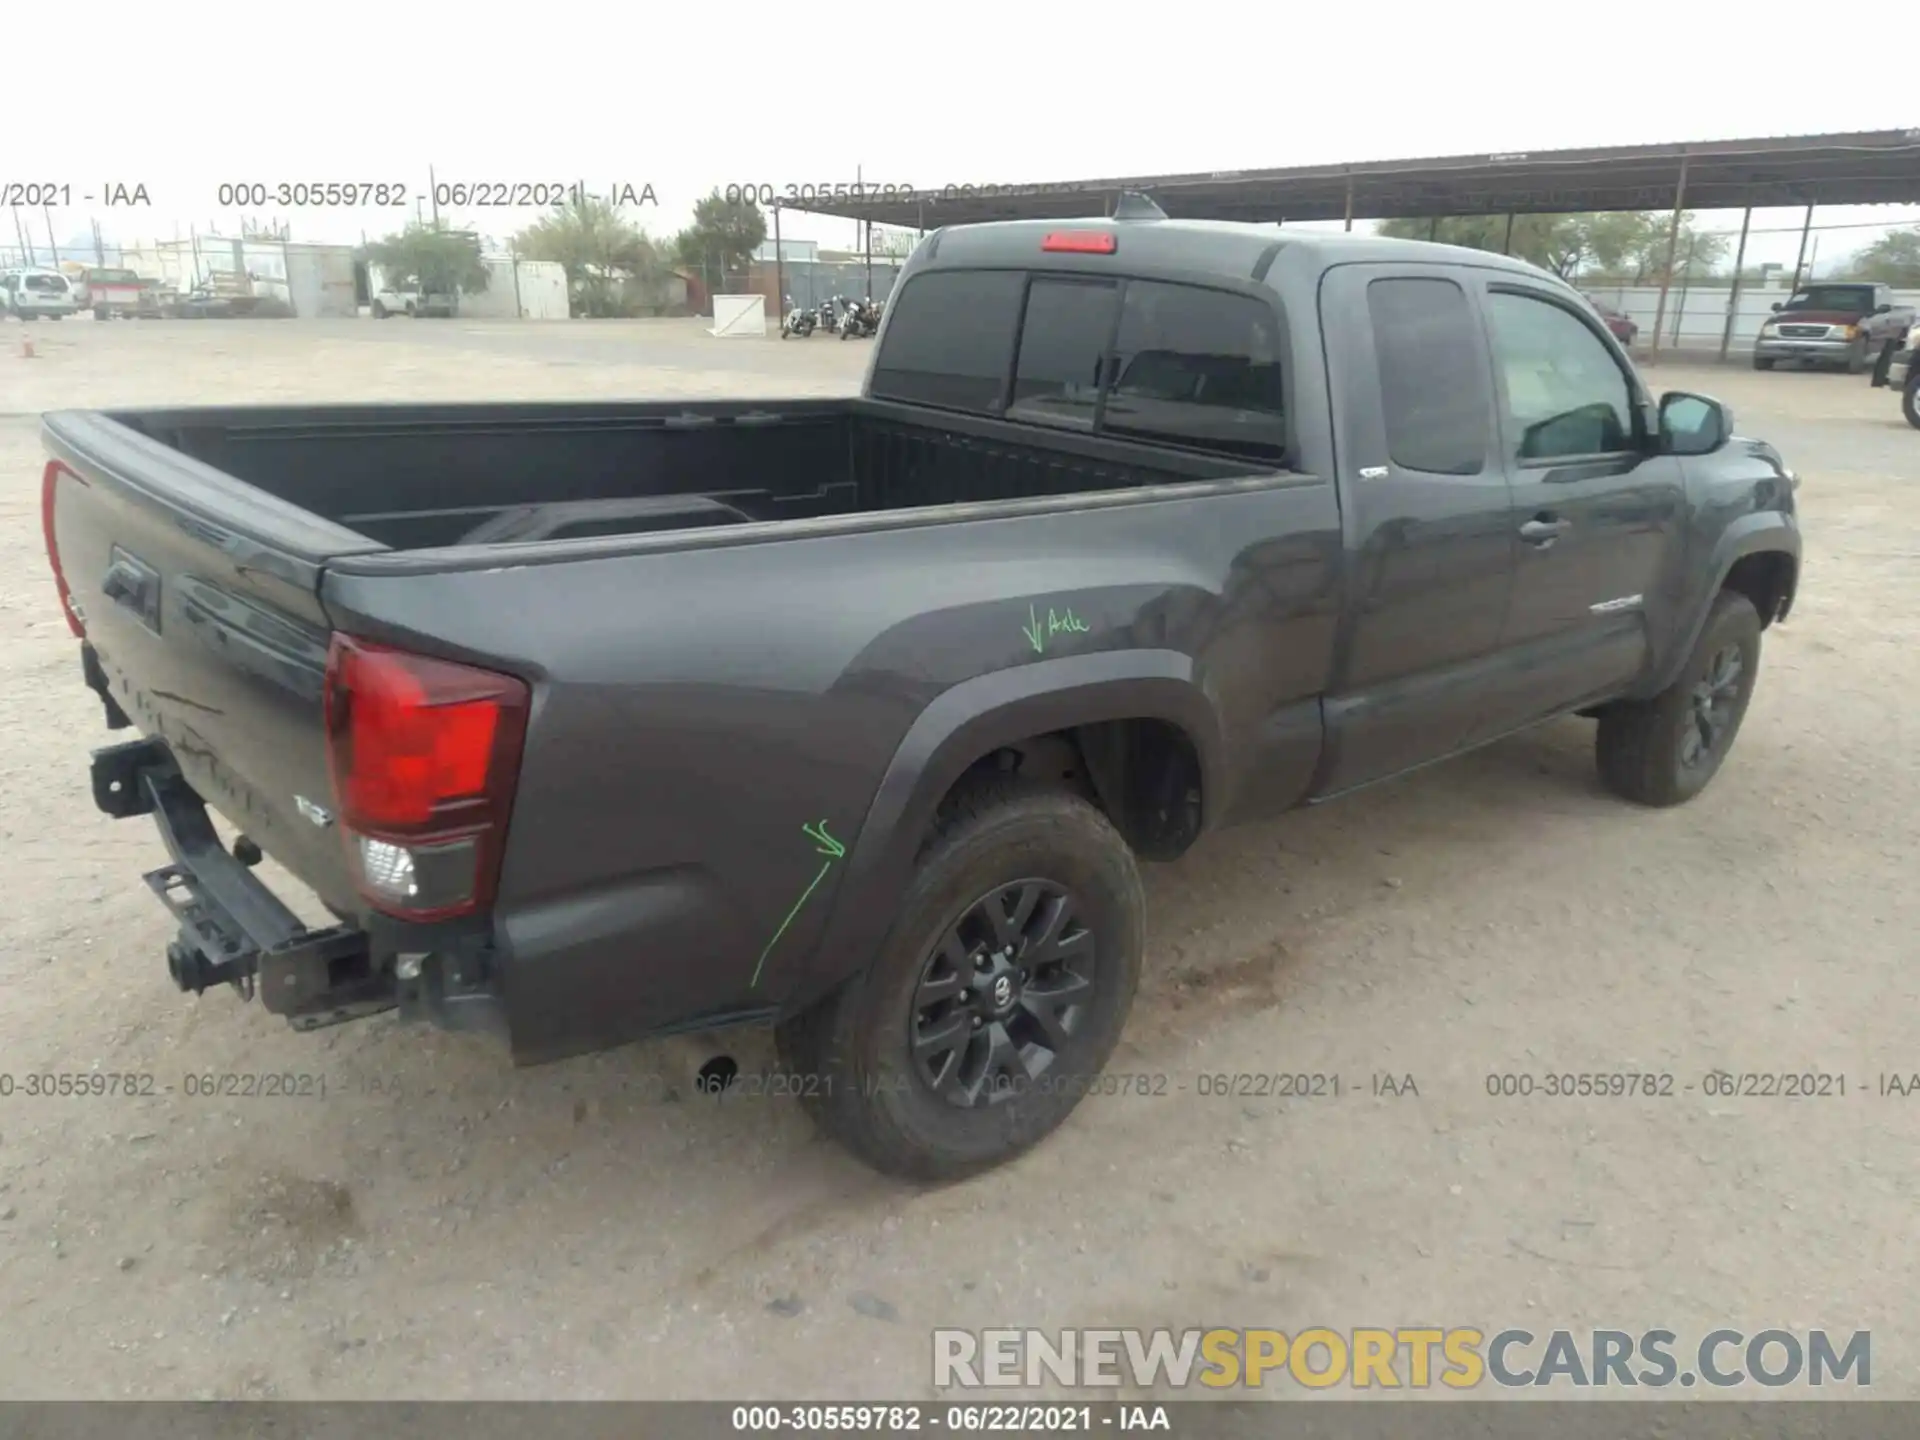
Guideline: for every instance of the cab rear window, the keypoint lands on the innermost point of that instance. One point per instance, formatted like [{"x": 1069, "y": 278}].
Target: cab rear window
[
  {"x": 950, "y": 340},
  {"x": 1171, "y": 363}
]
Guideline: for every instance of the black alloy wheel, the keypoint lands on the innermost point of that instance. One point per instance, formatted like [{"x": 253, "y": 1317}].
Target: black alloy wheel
[
  {"x": 1716, "y": 704},
  {"x": 1003, "y": 993}
]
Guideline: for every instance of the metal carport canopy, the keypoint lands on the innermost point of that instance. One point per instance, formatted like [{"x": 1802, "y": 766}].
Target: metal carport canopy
[{"x": 1867, "y": 168}]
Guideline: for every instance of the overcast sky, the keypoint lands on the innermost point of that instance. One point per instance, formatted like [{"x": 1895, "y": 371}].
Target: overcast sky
[{"x": 684, "y": 98}]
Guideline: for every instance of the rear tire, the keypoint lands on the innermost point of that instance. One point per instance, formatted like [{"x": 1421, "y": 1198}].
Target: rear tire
[
  {"x": 1664, "y": 751},
  {"x": 876, "y": 1077}
]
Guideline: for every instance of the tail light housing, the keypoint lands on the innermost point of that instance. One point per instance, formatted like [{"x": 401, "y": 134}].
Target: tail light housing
[
  {"x": 49, "y": 478},
  {"x": 424, "y": 755}
]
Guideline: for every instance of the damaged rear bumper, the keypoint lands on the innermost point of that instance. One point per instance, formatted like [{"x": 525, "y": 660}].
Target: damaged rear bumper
[{"x": 235, "y": 931}]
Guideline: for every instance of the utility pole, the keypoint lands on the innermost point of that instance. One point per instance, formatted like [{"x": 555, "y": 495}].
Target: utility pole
[
  {"x": 433, "y": 194},
  {"x": 52, "y": 244},
  {"x": 1673, "y": 248}
]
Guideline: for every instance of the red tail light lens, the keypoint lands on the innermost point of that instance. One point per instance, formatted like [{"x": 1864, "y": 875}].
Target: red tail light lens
[
  {"x": 1082, "y": 242},
  {"x": 48, "y": 479},
  {"x": 424, "y": 754}
]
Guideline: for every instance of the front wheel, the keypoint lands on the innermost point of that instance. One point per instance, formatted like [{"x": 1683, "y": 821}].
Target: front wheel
[
  {"x": 997, "y": 997},
  {"x": 1763, "y": 362},
  {"x": 1910, "y": 399},
  {"x": 1663, "y": 751}
]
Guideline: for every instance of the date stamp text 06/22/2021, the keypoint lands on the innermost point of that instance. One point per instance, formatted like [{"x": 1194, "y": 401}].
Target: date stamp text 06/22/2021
[{"x": 398, "y": 194}]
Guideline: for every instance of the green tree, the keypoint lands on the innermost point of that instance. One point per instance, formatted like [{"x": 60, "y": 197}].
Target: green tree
[
  {"x": 1627, "y": 246},
  {"x": 1553, "y": 242},
  {"x": 722, "y": 238},
  {"x": 433, "y": 261},
  {"x": 612, "y": 267},
  {"x": 1893, "y": 259}
]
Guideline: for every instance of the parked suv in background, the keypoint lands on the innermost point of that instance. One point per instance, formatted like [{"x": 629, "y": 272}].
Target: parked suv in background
[
  {"x": 1624, "y": 330},
  {"x": 1833, "y": 324},
  {"x": 29, "y": 294}
]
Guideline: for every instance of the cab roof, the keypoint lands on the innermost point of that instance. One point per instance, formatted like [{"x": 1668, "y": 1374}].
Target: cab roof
[{"x": 1230, "y": 249}]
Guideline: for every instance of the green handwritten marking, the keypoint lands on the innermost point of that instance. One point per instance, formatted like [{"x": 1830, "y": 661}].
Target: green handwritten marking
[
  {"x": 827, "y": 845},
  {"x": 824, "y": 844},
  {"x": 1058, "y": 622}
]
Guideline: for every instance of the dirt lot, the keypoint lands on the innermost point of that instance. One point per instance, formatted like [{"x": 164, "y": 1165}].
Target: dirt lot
[{"x": 439, "y": 1226}]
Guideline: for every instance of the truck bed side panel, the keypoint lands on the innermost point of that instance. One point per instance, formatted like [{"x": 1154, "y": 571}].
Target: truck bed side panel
[{"x": 696, "y": 711}]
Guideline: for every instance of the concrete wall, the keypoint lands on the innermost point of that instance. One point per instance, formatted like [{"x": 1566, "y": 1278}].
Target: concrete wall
[
  {"x": 813, "y": 285},
  {"x": 524, "y": 289}
]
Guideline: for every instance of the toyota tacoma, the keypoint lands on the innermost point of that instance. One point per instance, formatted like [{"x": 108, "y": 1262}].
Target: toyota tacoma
[{"x": 856, "y": 717}]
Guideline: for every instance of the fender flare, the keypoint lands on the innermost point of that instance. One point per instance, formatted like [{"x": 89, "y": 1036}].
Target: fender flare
[
  {"x": 1759, "y": 532},
  {"x": 971, "y": 720}
]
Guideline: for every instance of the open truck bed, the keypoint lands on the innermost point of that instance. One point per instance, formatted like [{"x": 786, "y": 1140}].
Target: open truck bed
[{"x": 427, "y": 477}]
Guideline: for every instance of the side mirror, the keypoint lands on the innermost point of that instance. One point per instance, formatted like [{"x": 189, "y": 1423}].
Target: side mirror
[
  {"x": 1776, "y": 306},
  {"x": 1882, "y": 309},
  {"x": 1693, "y": 424}
]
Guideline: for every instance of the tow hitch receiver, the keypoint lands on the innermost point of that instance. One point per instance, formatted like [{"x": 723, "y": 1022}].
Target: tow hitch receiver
[{"x": 233, "y": 929}]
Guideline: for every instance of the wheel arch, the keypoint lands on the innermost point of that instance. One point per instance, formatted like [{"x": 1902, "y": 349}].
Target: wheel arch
[
  {"x": 1758, "y": 555},
  {"x": 971, "y": 722}
]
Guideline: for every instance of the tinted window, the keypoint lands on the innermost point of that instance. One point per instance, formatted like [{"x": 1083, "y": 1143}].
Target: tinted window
[
  {"x": 1564, "y": 392},
  {"x": 1057, "y": 378},
  {"x": 950, "y": 339},
  {"x": 46, "y": 284},
  {"x": 1433, "y": 389},
  {"x": 1198, "y": 367},
  {"x": 1832, "y": 297}
]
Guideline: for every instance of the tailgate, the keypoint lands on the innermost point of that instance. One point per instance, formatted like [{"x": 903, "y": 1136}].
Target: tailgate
[{"x": 198, "y": 595}]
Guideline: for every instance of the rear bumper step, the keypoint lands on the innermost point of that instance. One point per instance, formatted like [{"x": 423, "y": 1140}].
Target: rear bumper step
[{"x": 233, "y": 929}]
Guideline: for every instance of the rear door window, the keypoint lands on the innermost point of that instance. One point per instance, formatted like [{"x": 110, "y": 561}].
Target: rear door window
[
  {"x": 1198, "y": 367},
  {"x": 1057, "y": 378},
  {"x": 1433, "y": 375},
  {"x": 950, "y": 340}
]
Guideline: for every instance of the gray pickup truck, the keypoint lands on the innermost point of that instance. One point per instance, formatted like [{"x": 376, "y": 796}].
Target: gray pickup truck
[{"x": 593, "y": 721}]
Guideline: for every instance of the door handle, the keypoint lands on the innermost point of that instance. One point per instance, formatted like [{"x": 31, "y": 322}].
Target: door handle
[{"x": 1543, "y": 531}]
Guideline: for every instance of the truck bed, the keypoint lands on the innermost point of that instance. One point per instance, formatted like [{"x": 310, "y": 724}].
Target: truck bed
[{"x": 427, "y": 477}]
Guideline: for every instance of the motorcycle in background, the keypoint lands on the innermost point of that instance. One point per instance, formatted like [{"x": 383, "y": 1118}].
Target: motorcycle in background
[
  {"x": 829, "y": 317},
  {"x": 798, "y": 322},
  {"x": 862, "y": 322}
]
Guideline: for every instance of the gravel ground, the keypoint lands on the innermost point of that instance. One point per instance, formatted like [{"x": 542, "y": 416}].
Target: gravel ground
[{"x": 441, "y": 1226}]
